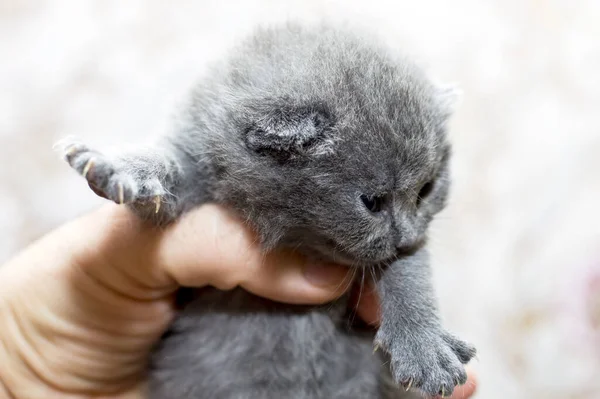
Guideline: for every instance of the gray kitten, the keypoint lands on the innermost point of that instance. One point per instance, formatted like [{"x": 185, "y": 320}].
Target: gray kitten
[{"x": 325, "y": 142}]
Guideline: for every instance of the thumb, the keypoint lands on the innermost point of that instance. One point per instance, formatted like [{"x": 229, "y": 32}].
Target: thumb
[{"x": 209, "y": 246}]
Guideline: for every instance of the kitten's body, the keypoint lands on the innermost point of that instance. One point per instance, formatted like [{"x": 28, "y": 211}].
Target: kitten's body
[
  {"x": 236, "y": 345},
  {"x": 323, "y": 142}
]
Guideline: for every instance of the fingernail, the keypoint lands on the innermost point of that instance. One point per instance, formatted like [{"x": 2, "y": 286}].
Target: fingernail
[{"x": 324, "y": 275}]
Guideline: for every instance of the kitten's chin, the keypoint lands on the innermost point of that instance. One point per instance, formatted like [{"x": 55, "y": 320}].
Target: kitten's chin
[
  {"x": 324, "y": 249},
  {"x": 345, "y": 259}
]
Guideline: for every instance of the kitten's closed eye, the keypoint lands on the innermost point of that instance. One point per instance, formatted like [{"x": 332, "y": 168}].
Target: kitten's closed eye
[
  {"x": 425, "y": 191},
  {"x": 372, "y": 203}
]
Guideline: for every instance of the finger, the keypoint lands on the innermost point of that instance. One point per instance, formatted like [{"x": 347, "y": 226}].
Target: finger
[
  {"x": 367, "y": 305},
  {"x": 209, "y": 246},
  {"x": 468, "y": 389},
  {"x": 287, "y": 278},
  {"x": 140, "y": 391}
]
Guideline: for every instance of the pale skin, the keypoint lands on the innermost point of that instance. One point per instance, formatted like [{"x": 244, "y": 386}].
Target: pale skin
[{"x": 81, "y": 308}]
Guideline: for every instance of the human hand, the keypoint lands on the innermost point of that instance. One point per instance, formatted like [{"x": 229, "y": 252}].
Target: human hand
[{"x": 82, "y": 307}]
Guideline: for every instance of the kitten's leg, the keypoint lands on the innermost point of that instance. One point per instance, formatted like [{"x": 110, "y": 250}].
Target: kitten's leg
[
  {"x": 423, "y": 355},
  {"x": 146, "y": 179}
]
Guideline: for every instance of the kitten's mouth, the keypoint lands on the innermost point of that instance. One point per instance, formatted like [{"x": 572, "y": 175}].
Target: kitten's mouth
[
  {"x": 331, "y": 252},
  {"x": 341, "y": 258}
]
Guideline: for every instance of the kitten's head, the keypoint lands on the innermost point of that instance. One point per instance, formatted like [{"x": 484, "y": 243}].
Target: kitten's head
[{"x": 338, "y": 148}]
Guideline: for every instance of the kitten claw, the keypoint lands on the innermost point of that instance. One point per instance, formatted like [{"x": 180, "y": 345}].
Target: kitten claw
[
  {"x": 121, "y": 195},
  {"x": 376, "y": 347},
  {"x": 443, "y": 392},
  {"x": 410, "y": 382},
  {"x": 70, "y": 151},
  {"x": 87, "y": 167},
  {"x": 157, "y": 203}
]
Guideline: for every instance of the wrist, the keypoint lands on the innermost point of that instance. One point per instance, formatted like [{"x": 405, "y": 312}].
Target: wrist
[
  {"x": 4, "y": 392},
  {"x": 17, "y": 379},
  {"x": 61, "y": 324},
  {"x": 44, "y": 354}
]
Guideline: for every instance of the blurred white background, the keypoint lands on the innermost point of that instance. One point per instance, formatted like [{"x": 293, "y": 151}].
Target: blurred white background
[{"x": 517, "y": 254}]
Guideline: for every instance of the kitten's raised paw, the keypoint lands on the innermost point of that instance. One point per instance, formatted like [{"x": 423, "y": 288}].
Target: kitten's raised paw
[
  {"x": 431, "y": 362},
  {"x": 112, "y": 179}
]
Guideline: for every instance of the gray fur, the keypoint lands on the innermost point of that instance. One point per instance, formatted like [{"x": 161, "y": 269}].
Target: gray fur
[{"x": 300, "y": 131}]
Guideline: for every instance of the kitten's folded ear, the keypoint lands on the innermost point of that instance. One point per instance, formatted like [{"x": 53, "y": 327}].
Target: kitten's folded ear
[{"x": 288, "y": 130}]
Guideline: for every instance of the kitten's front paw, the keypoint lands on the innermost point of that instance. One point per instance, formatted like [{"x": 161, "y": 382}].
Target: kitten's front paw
[
  {"x": 110, "y": 179},
  {"x": 431, "y": 361}
]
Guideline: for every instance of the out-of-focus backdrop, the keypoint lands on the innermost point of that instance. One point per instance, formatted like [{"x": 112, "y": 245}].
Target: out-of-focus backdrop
[{"x": 517, "y": 253}]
